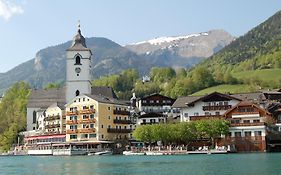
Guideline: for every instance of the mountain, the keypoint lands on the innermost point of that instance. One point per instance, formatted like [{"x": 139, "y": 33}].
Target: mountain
[
  {"x": 110, "y": 58},
  {"x": 260, "y": 48},
  {"x": 49, "y": 63},
  {"x": 186, "y": 50}
]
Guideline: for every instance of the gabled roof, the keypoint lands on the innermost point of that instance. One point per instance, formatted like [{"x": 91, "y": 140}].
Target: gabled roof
[
  {"x": 218, "y": 96},
  {"x": 41, "y": 98},
  {"x": 100, "y": 99},
  {"x": 104, "y": 99},
  {"x": 245, "y": 104},
  {"x": 189, "y": 100},
  {"x": 58, "y": 104},
  {"x": 255, "y": 96},
  {"x": 182, "y": 101},
  {"x": 104, "y": 91},
  {"x": 156, "y": 95}
]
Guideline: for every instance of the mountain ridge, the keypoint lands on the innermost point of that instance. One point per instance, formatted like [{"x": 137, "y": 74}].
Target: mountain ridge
[{"x": 109, "y": 57}]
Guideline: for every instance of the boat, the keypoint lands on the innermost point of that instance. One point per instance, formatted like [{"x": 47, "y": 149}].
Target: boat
[
  {"x": 151, "y": 153},
  {"x": 101, "y": 153},
  {"x": 208, "y": 152},
  {"x": 131, "y": 153}
]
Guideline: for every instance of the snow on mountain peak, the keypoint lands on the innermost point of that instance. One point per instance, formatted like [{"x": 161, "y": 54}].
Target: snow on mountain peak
[{"x": 165, "y": 39}]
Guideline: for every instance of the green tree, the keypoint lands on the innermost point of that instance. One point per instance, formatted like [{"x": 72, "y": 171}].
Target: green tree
[
  {"x": 52, "y": 86},
  {"x": 13, "y": 114}
]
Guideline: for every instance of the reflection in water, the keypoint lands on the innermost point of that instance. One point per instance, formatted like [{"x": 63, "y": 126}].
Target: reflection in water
[{"x": 130, "y": 165}]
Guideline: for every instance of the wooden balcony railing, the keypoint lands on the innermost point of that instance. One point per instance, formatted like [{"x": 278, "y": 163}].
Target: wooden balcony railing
[
  {"x": 71, "y": 122},
  {"x": 117, "y": 121},
  {"x": 86, "y": 130},
  {"x": 48, "y": 118},
  {"x": 244, "y": 113},
  {"x": 52, "y": 126},
  {"x": 216, "y": 108},
  {"x": 71, "y": 113},
  {"x": 114, "y": 130},
  {"x": 88, "y": 120},
  {"x": 87, "y": 111},
  {"x": 71, "y": 131},
  {"x": 121, "y": 112},
  {"x": 201, "y": 117},
  {"x": 248, "y": 124}
]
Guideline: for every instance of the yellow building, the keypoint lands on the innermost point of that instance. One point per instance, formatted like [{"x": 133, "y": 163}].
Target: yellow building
[{"x": 95, "y": 118}]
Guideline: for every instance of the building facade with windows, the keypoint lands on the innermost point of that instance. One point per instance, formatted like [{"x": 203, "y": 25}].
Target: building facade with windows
[
  {"x": 154, "y": 108},
  {"x": 248, "y": 126},
  {"x": 97, "y": 118},
  {"x": 54, "y": 120},
  {"x": 213, "y": 105}
]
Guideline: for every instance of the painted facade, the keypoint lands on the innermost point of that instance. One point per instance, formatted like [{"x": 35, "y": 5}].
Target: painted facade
[{"x": 90, "y": 118}]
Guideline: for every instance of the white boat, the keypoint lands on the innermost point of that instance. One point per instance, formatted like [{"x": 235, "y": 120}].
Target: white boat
[
  {"x": 104, "y": 153},
  {"x": 150, "y": 153},
  {"x": 131, "y": 153},
  {"x": 101, "y": 153}
]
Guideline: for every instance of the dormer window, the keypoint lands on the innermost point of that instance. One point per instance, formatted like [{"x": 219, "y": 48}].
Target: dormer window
[{"x": 77, "y": 60}]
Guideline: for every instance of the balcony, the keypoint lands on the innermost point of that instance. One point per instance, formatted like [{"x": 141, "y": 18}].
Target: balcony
[
  {"x": 49, "y": 118},
  {"x": 248, "y": 124},
  {"x": 245, "y": 114},
  {"x": 87, "y": 111},
  {"x": 88, "y": 120},
  {"x": 71, "y": 113},
  {"x": 86, "y": 130},
  {"x": 201, "y": 117},
  {"x": 114, "y": 130},
  {"x": 63, "y": 116},
  {"x": 71, "y": 131},
  {"x": 117, "y": 121},
  {"x": 71, "y": 122},
  {"x": 121, "y": 112},
  {"x": 216, "y": 108},
  {"x": 52, "y": 126}
]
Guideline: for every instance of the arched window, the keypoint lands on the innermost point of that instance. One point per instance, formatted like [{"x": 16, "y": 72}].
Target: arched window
[
  {"x": 77, "y": 60},
  {"x": 77, "y": 93},
  {"x": 34, "y": 117}
]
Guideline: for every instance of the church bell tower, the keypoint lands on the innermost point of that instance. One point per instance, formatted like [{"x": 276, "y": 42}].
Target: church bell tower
[{"x": 78, "y": 67}]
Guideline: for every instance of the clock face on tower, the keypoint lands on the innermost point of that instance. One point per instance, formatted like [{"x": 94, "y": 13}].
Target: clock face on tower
[{"x": 77, "y": 69}]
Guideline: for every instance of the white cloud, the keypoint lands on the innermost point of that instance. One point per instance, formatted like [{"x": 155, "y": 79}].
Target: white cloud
[{"x": 8, "y": 9}]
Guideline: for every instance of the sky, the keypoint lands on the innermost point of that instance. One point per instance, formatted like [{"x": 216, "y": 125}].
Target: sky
[{"x": 26, "y": 26}]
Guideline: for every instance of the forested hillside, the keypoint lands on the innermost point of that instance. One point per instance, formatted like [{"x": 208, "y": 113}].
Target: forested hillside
[{"x": 260, "y": 48}]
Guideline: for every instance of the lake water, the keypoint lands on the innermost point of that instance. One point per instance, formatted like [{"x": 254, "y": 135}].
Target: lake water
[{"x": 242, "y": 164}]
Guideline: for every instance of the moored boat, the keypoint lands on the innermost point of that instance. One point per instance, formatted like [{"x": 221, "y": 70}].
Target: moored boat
[
  {"x": 151, "y": 153},
  {"x": 131, "y": 153}
]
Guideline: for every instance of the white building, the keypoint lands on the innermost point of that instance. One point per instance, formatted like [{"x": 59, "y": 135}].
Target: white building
[{"x": 212, "y": 105}]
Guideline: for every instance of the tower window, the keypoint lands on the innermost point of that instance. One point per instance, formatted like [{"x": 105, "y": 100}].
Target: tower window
[
  {"x": 34, "y": 117},
  {"x": 77, "y": 93},
  {"x": 77, "y": 60}
]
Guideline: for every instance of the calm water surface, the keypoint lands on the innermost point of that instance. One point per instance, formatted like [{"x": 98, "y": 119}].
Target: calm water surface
[{"x": 242, "y": 164}]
